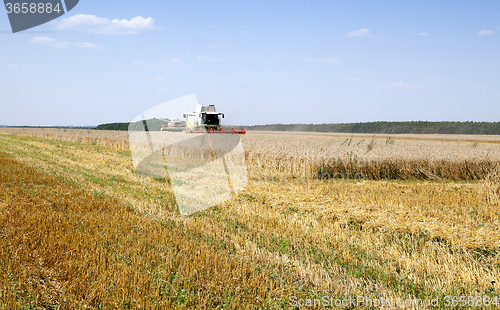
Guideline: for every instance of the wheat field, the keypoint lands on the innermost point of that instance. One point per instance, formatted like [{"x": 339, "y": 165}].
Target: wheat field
[
  {"x": 410, "y": 217},
  {"x": 347, "y": 156}
]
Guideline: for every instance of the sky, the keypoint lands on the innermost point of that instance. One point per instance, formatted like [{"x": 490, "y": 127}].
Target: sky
[{"x": 259, "y": 62}]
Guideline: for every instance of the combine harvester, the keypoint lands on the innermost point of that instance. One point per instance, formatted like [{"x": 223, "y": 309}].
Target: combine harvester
[
  {"x": 174, "y": 125},
  {"x": 203, "y": 120}
]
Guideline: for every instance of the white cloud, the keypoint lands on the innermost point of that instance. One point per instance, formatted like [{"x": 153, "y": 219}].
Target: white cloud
[
  {"x": 496, "y": 64},
  {"x": 94, "y": 24},
  {"x": 89, "y": 45},
  {"x": 353, "y": 80},
  {"x": 13, "y": 67},
  {"x": 435, "y": 79},
  {"x": 43, "y": 40},
  {"x": 483, "y": 33},
  {"x": 158, "y": 63},
  {"x": 64, "y": 44},
  {"x": 157, "y": 78},
  {"x": 363, "y": 32},
  {"x": 422, "y": 34},
  {"x": 212, "y": 59},
  {"x": 403, "y": 85},
  {"x": 332, "y": 61}
]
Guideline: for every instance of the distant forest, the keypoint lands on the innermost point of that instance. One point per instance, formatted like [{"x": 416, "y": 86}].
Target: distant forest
[
  {"x": 415, "y": 127},
  {"x": 153, "y": 125},
  {"x": 113, "y": 126}
]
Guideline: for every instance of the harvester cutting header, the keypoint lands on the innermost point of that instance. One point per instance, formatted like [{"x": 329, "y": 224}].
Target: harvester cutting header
[{"x": 204, "y": 120}]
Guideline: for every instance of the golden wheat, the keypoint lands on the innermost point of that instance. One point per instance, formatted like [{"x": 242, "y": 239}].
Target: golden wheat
[{"x": 81, "y": 230}]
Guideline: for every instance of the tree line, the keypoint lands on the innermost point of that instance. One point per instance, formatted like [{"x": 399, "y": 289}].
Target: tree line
[
  {"x": 411, "y": 127},
  {"x": 151, "y": 124}
]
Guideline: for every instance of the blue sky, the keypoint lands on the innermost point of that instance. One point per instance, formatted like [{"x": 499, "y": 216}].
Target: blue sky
[{"x": 259, "y": 62}]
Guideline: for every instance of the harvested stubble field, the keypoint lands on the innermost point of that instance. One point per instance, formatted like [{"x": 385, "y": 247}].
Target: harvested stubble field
[{"x": 80, "y": 230}]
